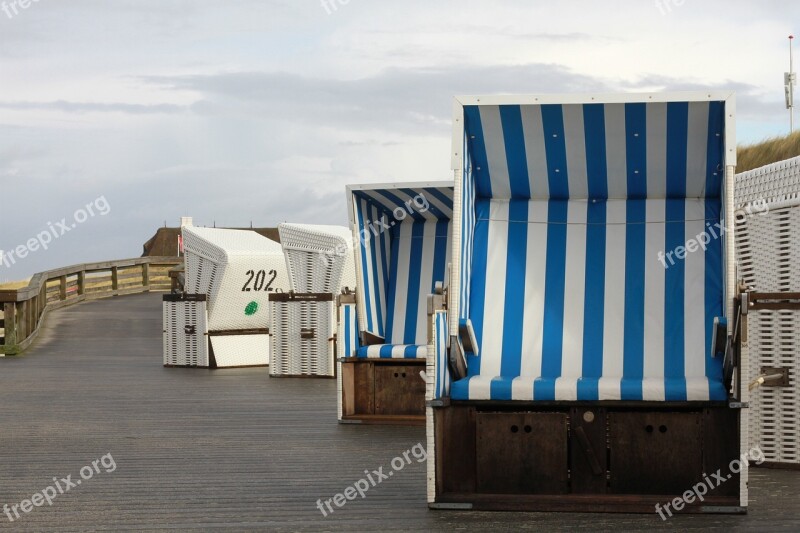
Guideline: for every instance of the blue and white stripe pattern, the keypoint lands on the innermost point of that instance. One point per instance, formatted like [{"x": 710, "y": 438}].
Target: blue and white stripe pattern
[
  {"x": 419, "y": 203},
  {"x": 442, "y": 370},
  {"x": 467, "y": 223},
  {"x": 404, "y": 250},
  {"x": 394, "y": 351},
  {"x": 577, "y": 208},
  {"x": 597, "y": 151},
  {"x": 372, "y": 263},
  {"x": 347, "y": 341}
]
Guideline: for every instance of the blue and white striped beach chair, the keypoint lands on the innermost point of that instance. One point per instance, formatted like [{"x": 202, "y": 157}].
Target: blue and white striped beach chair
[
  {"x": 402, "y": 234},
  {"x": 591, "y": 273}
]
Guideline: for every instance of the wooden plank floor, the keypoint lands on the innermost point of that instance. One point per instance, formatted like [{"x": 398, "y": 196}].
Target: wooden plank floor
[{"x": 233, "y": 449}]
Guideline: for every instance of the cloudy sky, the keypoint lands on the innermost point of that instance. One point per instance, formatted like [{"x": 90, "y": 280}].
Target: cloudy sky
[{"x": 262, "y": 110}]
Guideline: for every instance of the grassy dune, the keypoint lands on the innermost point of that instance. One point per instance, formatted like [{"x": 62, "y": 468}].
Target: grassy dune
[
  {"x": 13, "y": 285},
  {"x": 768, "y": 151}
]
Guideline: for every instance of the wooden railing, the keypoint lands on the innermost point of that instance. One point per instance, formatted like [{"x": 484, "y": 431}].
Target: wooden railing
[{"x": 24, "y": 309}]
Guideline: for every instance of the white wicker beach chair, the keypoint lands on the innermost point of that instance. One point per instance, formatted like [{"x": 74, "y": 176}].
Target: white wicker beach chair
[
  {"x": 235, "y": 271},
  {"x": 768, "y": 254},
  {"x": 320, "y": 263}
]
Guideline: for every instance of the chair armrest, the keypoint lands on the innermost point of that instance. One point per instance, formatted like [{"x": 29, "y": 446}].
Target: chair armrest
[
  {"x": 458, "y": 359},
  {"x": 371, "y": 338},
  {"x": 719, "y": 337},
  {"x": 462, "y": 345},
  {"x": 467, "y": 335},
  {"x": 438, "y": 369}
]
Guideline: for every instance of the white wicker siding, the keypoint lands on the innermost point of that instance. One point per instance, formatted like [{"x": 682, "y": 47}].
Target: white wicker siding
[
  {"x": 234, "y": 268},
  {"x": 768, "y": 256},
  {"x": 293, "y": 355},
  {"x": 318, "y": 258},
  {"x": 182, "y": 347}
]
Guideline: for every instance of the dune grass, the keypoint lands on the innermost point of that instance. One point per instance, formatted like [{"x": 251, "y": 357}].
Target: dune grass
[
  {"x": 771, "y": 150},
  {"x": 13, "y": 285}
]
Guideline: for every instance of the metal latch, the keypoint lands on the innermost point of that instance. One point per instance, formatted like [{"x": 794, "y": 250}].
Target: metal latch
[{"x": 771, "y": 377}]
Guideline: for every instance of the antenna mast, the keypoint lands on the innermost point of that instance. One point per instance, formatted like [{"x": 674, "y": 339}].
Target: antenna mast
[{"x": 789, "y": 81}]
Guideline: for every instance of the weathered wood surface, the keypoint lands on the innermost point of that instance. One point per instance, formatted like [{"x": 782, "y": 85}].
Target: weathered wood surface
[
  {"x": 24, "y": 309},
  {"x": 234, "y": 449}
]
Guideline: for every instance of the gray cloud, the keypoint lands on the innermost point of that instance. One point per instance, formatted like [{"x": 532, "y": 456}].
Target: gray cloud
[
  {"x": 263, "y": 110},
  {"x": 750, "y": 99},
  {"x": 409, "y": 99},
  {"x": 92, "y": 107}
]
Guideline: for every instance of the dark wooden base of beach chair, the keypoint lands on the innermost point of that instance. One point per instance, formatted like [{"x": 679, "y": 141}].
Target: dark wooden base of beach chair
[
  {"x": 585, "y": 503},
  {"x": 599, "y": 457},
  {"x": 383, "y": 391}
]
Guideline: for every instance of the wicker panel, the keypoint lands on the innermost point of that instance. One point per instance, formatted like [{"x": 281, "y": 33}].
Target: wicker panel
[
  {"x": 775, "y": 411},
  {"x": 773, "y": 183},
  {"x": 768, "y": 249},
  {"x": 300, "y": 339},
  {"x": 238, "y": 270},
  {"x": 768, "y": 257},
  {"x": 202, "y": 261},
  {"x": 184, "y": 338},
  {"x": 318, "y": 258}
]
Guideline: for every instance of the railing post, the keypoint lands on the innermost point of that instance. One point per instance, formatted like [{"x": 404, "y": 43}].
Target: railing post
[
  {"x": 22, "y": 329},
  {"x": 37, "y": 304},
  {"x": 114, "y": 279},
  {"x": 33, "y": 313},
  {"x": 42, "y": 300},
  {"x": 81, "y": 282},
  {"x": 10, "y": 325},
  {"x": 62, "y": 294},
  {"x": 146, "y": 274}
]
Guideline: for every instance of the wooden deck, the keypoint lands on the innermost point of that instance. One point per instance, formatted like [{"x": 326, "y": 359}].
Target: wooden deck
[{"x": 233, "y": 449}]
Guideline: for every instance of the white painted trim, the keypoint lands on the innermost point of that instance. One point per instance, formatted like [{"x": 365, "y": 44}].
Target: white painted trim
[
  {"x": 596, "y": 98},
  {"x": 398, "y": 185},
  {"x": 730, "y": 130},
  {"x": 730, "y": 251},
  {"x": 456, "y": 157}
]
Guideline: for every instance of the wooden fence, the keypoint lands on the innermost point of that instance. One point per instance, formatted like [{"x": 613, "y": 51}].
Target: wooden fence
[{"x": 23, "y": 310}]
